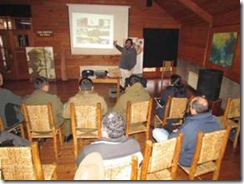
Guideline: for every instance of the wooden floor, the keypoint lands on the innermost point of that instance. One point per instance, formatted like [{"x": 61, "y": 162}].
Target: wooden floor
[{"x": 231, "y": 164}]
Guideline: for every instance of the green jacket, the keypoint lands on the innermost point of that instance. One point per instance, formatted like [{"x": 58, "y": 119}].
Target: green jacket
[
  {"x": 135, "y": 93},
  {"x": 85, "y": 98},
  {"x": 40, "y": 97}
]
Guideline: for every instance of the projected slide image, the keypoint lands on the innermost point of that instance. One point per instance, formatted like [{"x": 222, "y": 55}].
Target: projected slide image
[{"x": 92, "y": 30}]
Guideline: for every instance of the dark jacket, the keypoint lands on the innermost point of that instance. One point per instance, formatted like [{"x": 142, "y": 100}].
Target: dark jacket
[
  {"x": 205, "y": 122},
  {"x": 169, "y": 91},
  {"x": 10, "y": 108},
  {"x": 128, "y": 57}
]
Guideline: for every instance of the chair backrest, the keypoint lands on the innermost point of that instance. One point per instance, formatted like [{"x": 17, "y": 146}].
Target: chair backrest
[
  {"x": 210, "y": 146},
  {"x": 39, "y": 118},
  {"x": 138, "y": 112},
  {"x": 86, "y": 117},
  {"x": 175, "y": 108},
  {"x": 167, "y": 65},
  {"x": 232, "y": 109},
  {"x": 1, "y": 124},
  {"x": 124, "y": 168},
  {"x": 162, "y": 155},
  {"x": 167, "y": 68},
  {"x": 21, "y": 163}
]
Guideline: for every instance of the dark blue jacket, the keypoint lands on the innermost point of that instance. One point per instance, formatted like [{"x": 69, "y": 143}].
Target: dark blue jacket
[
  {"x": 205, "y": 122},
  {"x": 169, "y": 91}
]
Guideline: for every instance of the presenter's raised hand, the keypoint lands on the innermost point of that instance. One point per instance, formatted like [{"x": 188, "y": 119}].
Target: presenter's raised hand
[{"x": 115, "y": 42}]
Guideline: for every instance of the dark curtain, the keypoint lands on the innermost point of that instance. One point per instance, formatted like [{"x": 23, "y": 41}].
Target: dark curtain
[{"x": 159, "y": 45}]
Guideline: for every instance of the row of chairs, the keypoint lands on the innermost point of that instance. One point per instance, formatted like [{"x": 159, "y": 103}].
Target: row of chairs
[
  {"x": 85, "y": 121},
  {"x": 144, "y": 114},
  {"x": 176, "y": 108},
  {"x": 160, "y": 160}
]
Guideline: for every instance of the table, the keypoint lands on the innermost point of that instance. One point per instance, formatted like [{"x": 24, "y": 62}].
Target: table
[{"x": 107, "y": 80}]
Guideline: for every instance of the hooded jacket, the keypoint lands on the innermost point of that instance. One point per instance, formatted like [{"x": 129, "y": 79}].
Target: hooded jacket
[
  {"x": 134, "y": 93},
  {"x": 205, "y": 122}
]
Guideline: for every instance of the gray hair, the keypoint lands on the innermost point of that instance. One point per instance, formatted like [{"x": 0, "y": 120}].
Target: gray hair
[{"x": 114, "y": 124}]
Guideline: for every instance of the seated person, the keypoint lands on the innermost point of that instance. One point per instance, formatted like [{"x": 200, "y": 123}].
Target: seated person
[
  {"x": 85, "y": 96},
  {"x": 201, "y": 119},
  {"x": 9, "y": 139},
  {"x": 175, "y": 89},
  {"x": 113, "y": 144},
  {"x": 41, "y": 96},
  {"x": 9, "y": 107},
  {"x": 135, "y": 92}
]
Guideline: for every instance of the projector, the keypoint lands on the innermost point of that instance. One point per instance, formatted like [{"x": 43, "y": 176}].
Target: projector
[{"x": 101, "y": 73}]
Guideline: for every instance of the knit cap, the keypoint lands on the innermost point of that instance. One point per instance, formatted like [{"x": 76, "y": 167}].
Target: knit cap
[{"x": 114, "y": 123}]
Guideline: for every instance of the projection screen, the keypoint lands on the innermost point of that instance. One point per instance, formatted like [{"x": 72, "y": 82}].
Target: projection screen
[{"x": 93, "y": 28}]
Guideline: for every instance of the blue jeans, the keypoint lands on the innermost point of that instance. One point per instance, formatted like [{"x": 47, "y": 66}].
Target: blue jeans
[{"x": 160, "y": 134}]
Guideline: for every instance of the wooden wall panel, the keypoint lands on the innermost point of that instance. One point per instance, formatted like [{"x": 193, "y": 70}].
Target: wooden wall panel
[
  {"x": 232, "y": 72},
  {"x": 53, "y": 15},
  {"x": 192, "y": 44},
  {"x": 195, "y": 47}
]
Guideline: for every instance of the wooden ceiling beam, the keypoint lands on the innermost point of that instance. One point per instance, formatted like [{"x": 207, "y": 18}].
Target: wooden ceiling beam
[{"x": 198, "y": 10}]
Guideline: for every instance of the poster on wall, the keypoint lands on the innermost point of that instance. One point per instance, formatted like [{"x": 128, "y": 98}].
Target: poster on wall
[
  {"x": 223, "y": 48},
  {"x": 40, "y": 62},
  {"x": 139, "y": 45}
]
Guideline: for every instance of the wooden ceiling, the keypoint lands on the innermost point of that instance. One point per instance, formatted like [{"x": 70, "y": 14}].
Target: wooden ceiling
[{"x": 209, "y": 11}]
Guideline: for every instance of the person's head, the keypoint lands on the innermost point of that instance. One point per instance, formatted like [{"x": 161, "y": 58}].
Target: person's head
[
  {"x": 128, "y": 43},
  {"x": 199, "y": 105},
  {"x": 175, "y": 80},
  {"x": 133, "y": 79},
  {"x": 85, "y": 84},
  {"x": 113, "y": 125},
  {"x": 41, "y": 83},
  {"x": 1, "y": 79}
]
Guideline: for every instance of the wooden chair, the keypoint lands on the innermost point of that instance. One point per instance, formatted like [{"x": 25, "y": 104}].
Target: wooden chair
[
  {"x": 166, "y": 71},
  {"x": 161, "y": 159},
  {"x": 175, "y": 108},
  {"x": 138, "y": 117},
  {"x": 209, "y": 152},
  {"x": 231, "y": 118},
  {"x": 40, "y": 124},
  {"x": 23, "y": 163},
  {"x": 85, "y": 122},
  {"x": 124, "y": 168},
  {"x": 14, "y": 128}
]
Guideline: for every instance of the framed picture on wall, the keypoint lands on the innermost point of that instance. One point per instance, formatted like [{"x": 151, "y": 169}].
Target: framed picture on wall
[
  {"x": 223, "y": 48},
  {"x": 40, "y": 62}
]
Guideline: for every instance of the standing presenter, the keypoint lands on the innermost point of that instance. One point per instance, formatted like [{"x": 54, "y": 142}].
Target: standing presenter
[{"x": 127, "y": 60}]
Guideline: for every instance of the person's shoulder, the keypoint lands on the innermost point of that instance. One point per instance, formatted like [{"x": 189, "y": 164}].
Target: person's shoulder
[
  {"x": 53, "y": 95},
  {"x": 6, "y": 91}
]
